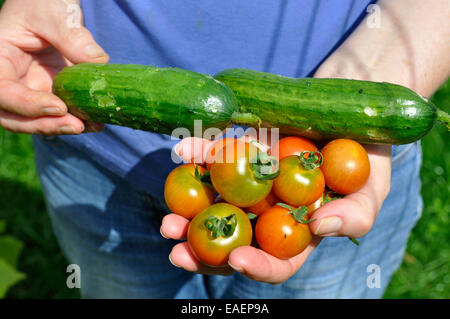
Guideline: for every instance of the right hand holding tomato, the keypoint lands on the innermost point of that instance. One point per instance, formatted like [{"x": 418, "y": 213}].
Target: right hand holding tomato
[{"x": 351, "y": 216}]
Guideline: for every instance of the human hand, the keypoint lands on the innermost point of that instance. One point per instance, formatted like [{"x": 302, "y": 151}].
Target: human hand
[
  {"x": 351, "y": 216},
  {"x": 37, "y": 39}
]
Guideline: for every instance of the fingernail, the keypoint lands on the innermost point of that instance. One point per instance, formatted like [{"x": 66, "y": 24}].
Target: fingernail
[
  {"x": 328, "y": 225},
  {"x": 52, "y": 111},
  {"x": 67, "y": 129},
  {"x": 237, "y": 268},
  {"x": 94, "y": 51},
  {"x": 170, "y": 259},
  {"x": 160, "y": 231}
]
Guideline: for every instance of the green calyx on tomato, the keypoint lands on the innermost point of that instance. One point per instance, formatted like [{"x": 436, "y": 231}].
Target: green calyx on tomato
[
  {"x": 331, "y": 196},
  {"x": 233, "y": 174},
  {"x": 265, "y": 167},
  {"x": 223, "y": 227},
  {"x": 215, "y": 251},
  {"x": 204, "y": 178},
  {"x": 298, "y": 213},
  {"x": 313, "y": 161}
]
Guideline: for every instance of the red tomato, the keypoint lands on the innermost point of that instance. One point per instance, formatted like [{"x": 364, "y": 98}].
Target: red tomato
[
  {"x": 185, "y": 194},
  {"x": 235, "y": 178},
  {"x": 264, "y": 204},
  {"x": 292, "y": 145},
  {"x": 212, "y": 246},
  {"x": 279, "y": 234},
  {"x": 298, "y": 185},
  {"x": 345, "y": 166}
]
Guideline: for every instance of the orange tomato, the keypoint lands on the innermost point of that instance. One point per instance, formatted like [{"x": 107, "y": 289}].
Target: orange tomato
[
  {"x": 279, "y": 234},
  {"x": 292, "y": 145},
  {"x": 212, "y": 245},
  {"x": 264, "y": 204},
  {"x": 345, "y": 166},
  {"x": 184, "y": 194},
  {"x": 234, "y": 178},
  {"x": 297, "y": 185}
]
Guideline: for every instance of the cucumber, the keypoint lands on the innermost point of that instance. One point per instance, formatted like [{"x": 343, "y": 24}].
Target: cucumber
[
  {"x": 145, "y": 97},
  {"x": 368, "y": 112}
]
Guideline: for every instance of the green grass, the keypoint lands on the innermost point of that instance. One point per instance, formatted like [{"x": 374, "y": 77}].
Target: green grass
[
  {"x": 22, "y": 206},
  {"x": 425, "y": 269},
  {"x": 423, "y": 274}
]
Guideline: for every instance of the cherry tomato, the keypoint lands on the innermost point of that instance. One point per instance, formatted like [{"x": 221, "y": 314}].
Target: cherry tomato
[
  {"x": 215, "y": 149},
  {"x": 185, "y": 193},
  {"x": 280, "y": 234},
  {"x": 316, "y": 205},
  {"x": 292, "y": 145},
  {"x": 299, "y": 184},
  {"x": 327, "y": 196},
  {"x": 264, "y": 204},
  {"x": 345, "y": 166},
  {"x": 238, "y": 176},
  {"x": 216, "y": 231}
]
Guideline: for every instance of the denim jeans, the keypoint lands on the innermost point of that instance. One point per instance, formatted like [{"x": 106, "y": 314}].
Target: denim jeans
[{"x": 110, "y": 229}]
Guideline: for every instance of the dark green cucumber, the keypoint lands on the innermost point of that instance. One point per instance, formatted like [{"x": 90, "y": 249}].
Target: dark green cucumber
[
  {"x": 145, "y": 97},
  {"x": 368, "y": 112}
]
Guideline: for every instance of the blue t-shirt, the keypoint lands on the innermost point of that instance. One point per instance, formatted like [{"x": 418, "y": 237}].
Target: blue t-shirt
[{"x": 290, "y": 38}]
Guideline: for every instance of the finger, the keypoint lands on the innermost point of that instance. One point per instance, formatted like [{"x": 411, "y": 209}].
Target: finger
[
  {"x": 174, "y": 226},
  {"x": 71, "y": 38},
  {"x": 17, "y": 98},
  {"x": 193, "y": 149},
  {"x": 63, "y": 125},
  {"x": 181, "y": 256},
  {"x": 261, "y": 266},
  {"x": 355, "y": 214},
  {"x": 196, "y": 149}
]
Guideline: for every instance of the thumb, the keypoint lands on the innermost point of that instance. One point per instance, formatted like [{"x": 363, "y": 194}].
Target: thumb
[
  {"x": 77, "y": 45},
  {"x": 73, "y": 40}
]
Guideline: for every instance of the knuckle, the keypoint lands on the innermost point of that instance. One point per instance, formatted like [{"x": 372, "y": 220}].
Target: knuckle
[
  {"x": 30, "y": 99},
  {"x": 10, "y": 126},
  {"x": 74, "y": 35},
  {"x": 365, "y": 224}
]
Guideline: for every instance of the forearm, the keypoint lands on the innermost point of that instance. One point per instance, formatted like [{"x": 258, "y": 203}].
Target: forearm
[{"x": 409, "y": 46}]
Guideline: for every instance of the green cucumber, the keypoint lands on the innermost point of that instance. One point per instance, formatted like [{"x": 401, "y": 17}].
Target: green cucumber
[
  {"x": 368, "y": 112},
  {"x": 145, "y": 97}
]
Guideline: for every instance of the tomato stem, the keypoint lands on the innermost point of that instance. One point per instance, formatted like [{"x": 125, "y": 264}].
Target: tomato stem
[
  {"x": 443, "y": 118},
  {"x": 204, "y": 178},
  {"x": 298, "y": 213},
  {"x": 265, "y": 167},
  {"x": 313, "y": 161},
  {"x": 223, "y": 227},
  {"x": 248, "y": 119},
  {"x": 331, "y": 196}
]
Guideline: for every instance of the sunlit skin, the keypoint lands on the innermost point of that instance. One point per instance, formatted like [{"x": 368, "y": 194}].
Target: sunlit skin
[
  {"x": 185, "y": 195},
  {"x": 280, "y": 235},
  {"x": 345, "y": 166},
  {"x": 297, "y": 185},
  {"x": 211, "y": 251},
  {"x": 292, "y": 145},
  {"x": 233, "y": 178}
]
